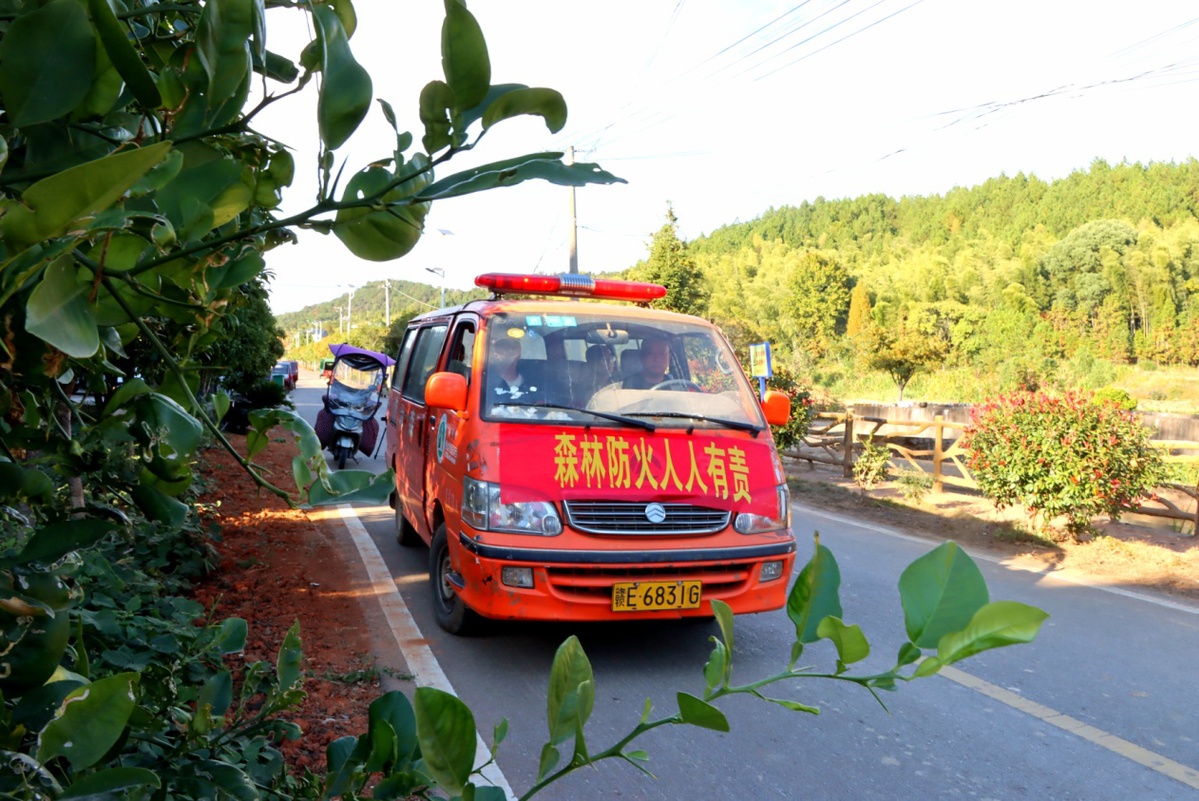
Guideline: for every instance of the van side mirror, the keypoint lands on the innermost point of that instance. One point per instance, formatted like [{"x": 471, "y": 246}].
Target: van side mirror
[
  {"x": 446, "y": 391},
  {"x": 777, "y": 407}
]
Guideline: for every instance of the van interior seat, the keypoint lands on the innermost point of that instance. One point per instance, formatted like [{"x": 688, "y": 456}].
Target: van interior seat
[
  {"x": 578, "y": 382},
  {"x": 630, "y": 363}
]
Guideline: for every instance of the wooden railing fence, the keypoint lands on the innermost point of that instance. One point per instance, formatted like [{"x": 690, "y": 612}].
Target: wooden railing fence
[{"x": 932, "y": 447}]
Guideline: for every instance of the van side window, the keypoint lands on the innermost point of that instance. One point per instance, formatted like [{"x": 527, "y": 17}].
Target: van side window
[
  {"x": 462, "y": 350},
  {"x": 424, "y": 361},
  {"x": 401, "y": 365}
]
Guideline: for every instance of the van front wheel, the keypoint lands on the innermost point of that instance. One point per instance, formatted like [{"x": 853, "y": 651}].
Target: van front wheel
[{"x": 451, "y": 614}]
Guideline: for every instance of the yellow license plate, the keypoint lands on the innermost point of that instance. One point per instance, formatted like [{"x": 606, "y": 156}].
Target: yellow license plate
[{"x": 647, "y": 596}]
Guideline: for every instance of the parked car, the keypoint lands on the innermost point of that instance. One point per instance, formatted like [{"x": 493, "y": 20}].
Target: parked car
[
  {"x": 294, "y": 366},
  {"x": 281, "y": 374}
]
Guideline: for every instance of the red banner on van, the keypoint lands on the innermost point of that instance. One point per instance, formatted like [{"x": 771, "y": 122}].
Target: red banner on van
[{"x": 722, "y": 472}]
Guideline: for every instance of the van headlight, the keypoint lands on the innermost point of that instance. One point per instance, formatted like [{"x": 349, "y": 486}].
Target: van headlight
[
  {"x": 747, "y": 523},
  {"x": 482, "y": 509}
]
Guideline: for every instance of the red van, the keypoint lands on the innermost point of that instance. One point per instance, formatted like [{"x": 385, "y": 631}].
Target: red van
[{"x": 584, "y": 461}]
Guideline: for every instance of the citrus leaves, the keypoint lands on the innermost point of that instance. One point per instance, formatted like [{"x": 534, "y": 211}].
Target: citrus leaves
[
  {"x": 50, "y": 205},
  {"x": 815, "y": 594},
  {"x": 47, "y": 63},
  {"x": 941, "y": 591},
  {"x": 345, "y": 95},
  {"x": 59, "y": 313},
  {"x": 945, "y": 604},
  {"x": 464, "y": 56},
  {"x": 223, "y": 44},
  {"x": 545, "y": 103},
  {"x": 92, "y": 718},
  {"x": 389, "y": 228},
  {"x": 124, "y": 58}
]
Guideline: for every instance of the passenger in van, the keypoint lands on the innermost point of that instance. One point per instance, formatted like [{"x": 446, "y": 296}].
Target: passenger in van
[
  {"x": 655, "y": 362},
  {"x": 505, "y": 384},
  {"x": 602, "y": 363}
]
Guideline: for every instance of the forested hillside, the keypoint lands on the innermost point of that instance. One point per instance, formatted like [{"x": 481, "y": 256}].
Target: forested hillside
[
  {"x": 1089, "y": 281},
  {"x": 371, "y": 306},
  {"x": 1016, "y": 282}
]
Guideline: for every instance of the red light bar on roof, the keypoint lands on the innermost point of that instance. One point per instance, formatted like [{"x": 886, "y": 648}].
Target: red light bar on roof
[{"x": 570, "y": 285}]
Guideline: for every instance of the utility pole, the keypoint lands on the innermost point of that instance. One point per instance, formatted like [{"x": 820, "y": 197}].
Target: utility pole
[
  {"x": 340, "y": 318},
  {"x": 439, "y": 271},
  {"x": 387, "y": 303},
  {"x": 574, "y": 227},
  {"x": 349, "y": 306}
]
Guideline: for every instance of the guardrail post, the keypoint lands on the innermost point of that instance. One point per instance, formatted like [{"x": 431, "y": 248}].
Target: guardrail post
[
  {"x": 847, "y": 444},
  {"x": 938, "y": 450}
]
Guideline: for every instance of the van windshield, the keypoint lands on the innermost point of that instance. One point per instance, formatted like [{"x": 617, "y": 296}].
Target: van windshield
[{"x": 557, "y": 368}]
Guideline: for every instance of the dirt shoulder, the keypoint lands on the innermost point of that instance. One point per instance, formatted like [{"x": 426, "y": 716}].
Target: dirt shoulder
[{"x": 1139, "y": 553}]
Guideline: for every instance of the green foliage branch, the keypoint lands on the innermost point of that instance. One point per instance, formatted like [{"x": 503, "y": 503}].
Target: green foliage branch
[
  {"x": 1065, "y": 455},
  {"x": 137, "y": 202}
]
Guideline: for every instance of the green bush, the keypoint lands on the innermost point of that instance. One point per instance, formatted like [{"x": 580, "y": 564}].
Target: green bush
[
  {"x": 1061, "y": 456},
  {"x": 873, "y": 465},
  {"x": 266, "y": 394},
  {"x": 803, "y": 409},
  {"x": 913, "y": 484},
  {"x": 1117, "y": 397}
]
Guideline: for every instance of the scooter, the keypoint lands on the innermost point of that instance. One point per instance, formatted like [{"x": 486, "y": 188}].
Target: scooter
[{"x": 347, "y": 424}]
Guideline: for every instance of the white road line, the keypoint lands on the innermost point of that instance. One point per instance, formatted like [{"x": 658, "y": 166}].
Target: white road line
[
  {"x": 1117, "y": 745},
  {"x": 421, "y": 662},
  {"x": 1064, "y": 576}
]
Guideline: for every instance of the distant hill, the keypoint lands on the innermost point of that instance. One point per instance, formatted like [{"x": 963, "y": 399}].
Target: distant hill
[{"x": 369, "y": 305}]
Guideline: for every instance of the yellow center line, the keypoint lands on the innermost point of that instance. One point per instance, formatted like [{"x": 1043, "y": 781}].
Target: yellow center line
[{"x": 1117, "y": 745}]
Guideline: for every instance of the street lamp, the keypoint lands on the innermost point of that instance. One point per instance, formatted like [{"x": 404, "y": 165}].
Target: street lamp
[{"x": 441, "y": 272}]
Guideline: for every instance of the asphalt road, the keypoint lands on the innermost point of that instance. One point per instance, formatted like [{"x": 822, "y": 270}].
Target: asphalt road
[{"x": 1101, "y": 706}]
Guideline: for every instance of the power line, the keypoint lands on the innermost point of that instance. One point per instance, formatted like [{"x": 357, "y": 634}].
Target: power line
[{"x": 843, "y": 38}]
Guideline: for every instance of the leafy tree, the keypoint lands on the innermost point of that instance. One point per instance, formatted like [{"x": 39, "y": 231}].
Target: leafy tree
[
  {"x": 1075, "y": 265},
  {"x": 819, "y": 286},
  {"x": 859, "y": 311},
  {"x": 671, "y": 265},
  {"x": 245, "y": 342},
  {"x": 901, "y": 353}
]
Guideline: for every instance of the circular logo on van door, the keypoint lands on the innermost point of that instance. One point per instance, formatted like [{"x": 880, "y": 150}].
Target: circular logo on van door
[
  {"x": 655, "y": 512},
  {"x": 441, "y": 432}
]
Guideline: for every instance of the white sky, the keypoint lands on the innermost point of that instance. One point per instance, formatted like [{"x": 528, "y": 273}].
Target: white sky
[{"x": 725, "y": 108}]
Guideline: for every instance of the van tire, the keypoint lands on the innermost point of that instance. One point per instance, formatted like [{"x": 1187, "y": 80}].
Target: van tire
[
  {"x": 405, "y": 532},
  {"x": 448, "y": 609}
]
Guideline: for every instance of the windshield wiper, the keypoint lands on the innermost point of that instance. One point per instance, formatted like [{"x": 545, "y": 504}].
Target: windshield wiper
[
  {"x": 734, "y": 424},
  {"x": 616, "y": 418}
]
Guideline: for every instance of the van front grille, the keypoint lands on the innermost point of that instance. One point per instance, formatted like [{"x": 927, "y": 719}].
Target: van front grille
[{"x": 625, "y": 517}]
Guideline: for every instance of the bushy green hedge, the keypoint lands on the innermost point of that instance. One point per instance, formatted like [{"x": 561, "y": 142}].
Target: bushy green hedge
[
  {"x": 803, "y": 409},
  {"x": 1070, "y": 455}
]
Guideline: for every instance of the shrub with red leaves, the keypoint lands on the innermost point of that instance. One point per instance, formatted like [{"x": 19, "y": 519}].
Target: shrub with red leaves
[{"x": 1071, "y": 455}]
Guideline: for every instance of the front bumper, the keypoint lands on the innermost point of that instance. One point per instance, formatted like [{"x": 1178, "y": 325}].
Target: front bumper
[{"x": 577, "y": 584}]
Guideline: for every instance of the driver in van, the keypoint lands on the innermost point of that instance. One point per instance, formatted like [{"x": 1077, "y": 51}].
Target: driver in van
[
  {"x": 655, "y": 362},
  {"x": 504, "y": 381}
]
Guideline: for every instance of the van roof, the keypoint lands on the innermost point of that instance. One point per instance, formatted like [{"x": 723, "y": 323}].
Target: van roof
[{"x": 551, "y": 305}]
